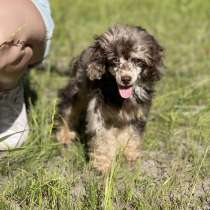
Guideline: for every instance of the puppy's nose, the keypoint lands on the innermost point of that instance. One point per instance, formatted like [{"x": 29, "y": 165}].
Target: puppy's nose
[{"x": 126, "y": 80}]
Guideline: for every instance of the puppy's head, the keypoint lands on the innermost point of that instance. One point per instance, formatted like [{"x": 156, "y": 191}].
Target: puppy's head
[{"x": 130, "y": 54}]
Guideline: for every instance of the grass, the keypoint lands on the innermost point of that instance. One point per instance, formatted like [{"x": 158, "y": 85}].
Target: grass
[{"x": 174, "y": 172}]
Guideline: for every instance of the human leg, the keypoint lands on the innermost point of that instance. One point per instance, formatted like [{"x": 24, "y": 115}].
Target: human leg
[{"x": 23, "y": 42}]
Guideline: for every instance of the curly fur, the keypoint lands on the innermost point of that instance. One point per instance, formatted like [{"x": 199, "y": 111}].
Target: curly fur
[{"x": 112, "y": 85}]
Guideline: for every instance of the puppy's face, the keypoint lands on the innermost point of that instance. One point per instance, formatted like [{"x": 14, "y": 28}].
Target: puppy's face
[
  {"x": 126, "y": 72},
  {"x": 130, "y": 54}
]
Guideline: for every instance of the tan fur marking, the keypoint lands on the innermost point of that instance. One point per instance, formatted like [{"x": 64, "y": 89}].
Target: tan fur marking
[
  {"x": 102, "y": 150},
  {"x": 66, "y": 132},
  {"x": 65, "y": 136}
]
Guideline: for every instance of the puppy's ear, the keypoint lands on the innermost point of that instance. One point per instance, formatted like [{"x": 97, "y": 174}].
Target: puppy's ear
[
  {"x": 157, "y": 57},
  {"x": 153, "y": 53},
  {"x": 96, "y": 65},
  {"x": 95, "y": 70},
  {"x": 153, "y": 70}
]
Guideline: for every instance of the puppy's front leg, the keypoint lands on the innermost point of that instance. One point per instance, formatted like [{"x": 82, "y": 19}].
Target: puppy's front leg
[
  {"x": 134, "y": 142},
  {"x": 65, "y": 133},
  {"x": 102, "y": 145},
  {"x": 69, "y": 111}
]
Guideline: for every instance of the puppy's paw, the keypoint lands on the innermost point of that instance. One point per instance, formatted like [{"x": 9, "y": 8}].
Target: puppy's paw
[
  {"x": 132, "y": 155},
  {"x": 101, "y": 167},
  {"x": 102, "y": 164},
  {"x": 132, "y": 150},
  {"x": 65, "y": 136}
]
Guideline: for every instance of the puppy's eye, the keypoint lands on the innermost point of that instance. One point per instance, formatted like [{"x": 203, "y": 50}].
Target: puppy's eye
[
  {"x": 138, "y": 62},
  {"x": 115, "y": 61}
]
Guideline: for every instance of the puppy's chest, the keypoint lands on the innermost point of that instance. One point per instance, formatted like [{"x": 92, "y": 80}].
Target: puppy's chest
[{"x": 128, "y": 113}]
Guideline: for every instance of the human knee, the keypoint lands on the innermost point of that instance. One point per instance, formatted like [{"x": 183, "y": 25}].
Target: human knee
[
  {"x": 14, "y": 55},
  {"x": 14, "y": 60}
]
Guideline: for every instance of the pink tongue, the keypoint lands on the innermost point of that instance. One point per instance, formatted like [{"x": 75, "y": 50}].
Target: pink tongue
[{"x": 125, "y": 92}]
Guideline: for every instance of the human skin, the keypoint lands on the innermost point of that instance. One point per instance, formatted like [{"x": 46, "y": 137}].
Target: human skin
[{"x": 22, "y": 40}]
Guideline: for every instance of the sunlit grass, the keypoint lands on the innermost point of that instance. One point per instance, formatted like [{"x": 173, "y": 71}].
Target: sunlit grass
[{"x": 174, "y": 172}]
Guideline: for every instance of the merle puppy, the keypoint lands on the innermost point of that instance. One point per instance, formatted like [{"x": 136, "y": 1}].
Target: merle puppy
[{"x": 112, "y": 83}]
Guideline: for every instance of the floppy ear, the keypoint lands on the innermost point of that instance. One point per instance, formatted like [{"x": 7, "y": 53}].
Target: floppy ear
[
  {"x": 153, "y": 54},
  {"x": 96, "y": 65},
  {"x": 156, "y": 60},
  {"x": 95, "y": 70}
]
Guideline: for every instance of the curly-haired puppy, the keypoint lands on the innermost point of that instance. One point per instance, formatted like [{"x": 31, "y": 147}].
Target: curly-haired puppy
[{"x": 112, "y": 84}]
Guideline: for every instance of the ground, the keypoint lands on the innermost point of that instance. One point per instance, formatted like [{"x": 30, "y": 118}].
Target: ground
[{"x": 174, "y": 172}]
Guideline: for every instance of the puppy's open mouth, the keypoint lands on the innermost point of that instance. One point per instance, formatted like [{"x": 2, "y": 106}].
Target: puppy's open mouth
[{"x": 125, "y": 91}]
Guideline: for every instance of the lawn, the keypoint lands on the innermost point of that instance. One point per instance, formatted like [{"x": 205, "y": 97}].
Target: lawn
[{"x": 174, "y": 172}]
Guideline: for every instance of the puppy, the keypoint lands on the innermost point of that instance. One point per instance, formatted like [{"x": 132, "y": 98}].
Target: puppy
[{"x": 112, "y": 84}]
